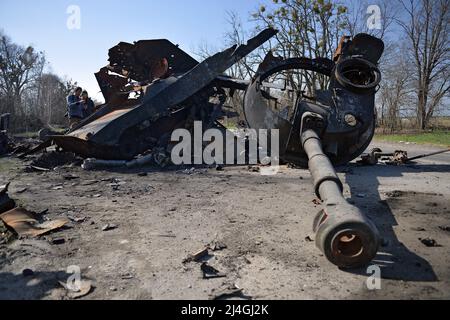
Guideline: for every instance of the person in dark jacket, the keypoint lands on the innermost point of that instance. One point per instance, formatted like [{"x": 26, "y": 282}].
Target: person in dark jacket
[
  {"x": 88, "y": 104},
  {"x": 75, "y": 107}
]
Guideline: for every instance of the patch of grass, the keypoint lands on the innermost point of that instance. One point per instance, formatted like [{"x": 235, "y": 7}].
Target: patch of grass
[
  {"x": 439, "y": 138},
  {"x": 35, "y": 134},
  {"x": 7, "y": 164},
  {"x": 26, "y": 135}
]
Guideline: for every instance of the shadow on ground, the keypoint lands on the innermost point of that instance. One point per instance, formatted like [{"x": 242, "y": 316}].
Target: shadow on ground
[
  {"x": 30, "y": 287},
  {"x": 396, "y": 261}
]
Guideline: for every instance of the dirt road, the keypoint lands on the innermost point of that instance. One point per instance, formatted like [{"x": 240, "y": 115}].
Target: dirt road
[{"x": 264, "y": 222}]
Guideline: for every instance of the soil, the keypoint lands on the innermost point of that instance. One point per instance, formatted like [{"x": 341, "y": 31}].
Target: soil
[{"x": 134, "y": 234}]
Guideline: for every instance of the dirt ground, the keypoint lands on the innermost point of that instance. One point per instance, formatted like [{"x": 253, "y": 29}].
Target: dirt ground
[{"x": 265, "y": 222}]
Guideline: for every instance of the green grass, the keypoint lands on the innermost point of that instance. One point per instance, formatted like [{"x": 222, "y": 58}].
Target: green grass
[
  {"x": 29, "y": 134},
  {"x": 439, "y": 138},
  {"x": 7, "y": 164},
  {"x": 35, "y": 134}
]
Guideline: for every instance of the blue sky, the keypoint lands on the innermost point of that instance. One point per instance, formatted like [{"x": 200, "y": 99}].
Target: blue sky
[{"x": 78, "y": 54}]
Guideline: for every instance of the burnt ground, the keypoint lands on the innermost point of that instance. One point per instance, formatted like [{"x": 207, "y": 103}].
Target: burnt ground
[{"x": 265, "y": 223}]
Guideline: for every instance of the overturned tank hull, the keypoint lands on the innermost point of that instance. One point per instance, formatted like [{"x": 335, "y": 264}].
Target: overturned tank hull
[{"x": 152, "y": 88}]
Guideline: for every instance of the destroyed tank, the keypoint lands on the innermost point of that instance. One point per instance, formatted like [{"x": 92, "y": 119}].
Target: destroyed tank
[{"x": 152, "y": 88}]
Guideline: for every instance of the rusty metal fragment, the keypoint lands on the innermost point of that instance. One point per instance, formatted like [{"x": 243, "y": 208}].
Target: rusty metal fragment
[
  {"x": 197, "y": 257},
  {"x": 24, "y": 223},
  {"x": 397, "y": 157}
]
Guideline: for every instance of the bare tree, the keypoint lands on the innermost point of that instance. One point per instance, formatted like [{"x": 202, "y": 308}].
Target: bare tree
[
  {"x": 236, "y": 34},
  {"x": 20, "y": 68},
  {"x": 306, "y": 28},
  {"x": 356, "y": 17},
  {"x": 395, "y": 91},
  {"x": 203, "y": 50},
  {"x": 246, "y": 67},
  {"x": 427, "y": 28},
  {"x": 52, "y": 93}
]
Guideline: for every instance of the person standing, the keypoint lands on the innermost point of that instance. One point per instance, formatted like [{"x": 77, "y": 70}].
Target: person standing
[
  {"x": 75, "y": 107},
  {"x": 88, "y": 104}
]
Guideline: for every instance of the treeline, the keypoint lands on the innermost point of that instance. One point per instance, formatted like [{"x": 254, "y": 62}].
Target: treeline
[
  {"x": 415, "y": 65},
  {"x": 34, "y": 97}
]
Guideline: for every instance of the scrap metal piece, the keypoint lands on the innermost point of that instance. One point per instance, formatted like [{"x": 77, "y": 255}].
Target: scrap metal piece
[
  {"x": 24, "y": 223},
  {"x": 39, "y": 147},
  {"x": 231, "y": 291},
  {"x": 139, "y": 59},
  {"x": 362, "y": 45},
  {"x": 111, "y": 85},
  {"x": 397, "y": 157},
  {"x": 427, "y": 155},
  {"x": 143, "y": 61},
  {"x": 6, "y": 203},
  {"x": 210, "y": 272},
  {"x": 371, "y": 158},
  {"x": 197, "y": 257}
]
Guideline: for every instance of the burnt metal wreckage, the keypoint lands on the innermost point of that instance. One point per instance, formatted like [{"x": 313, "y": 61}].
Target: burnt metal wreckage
[
  {"x": 171, "y": 90},
  {"x": 331, "y": 128},
  {"x": 395, "y": 158}
]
